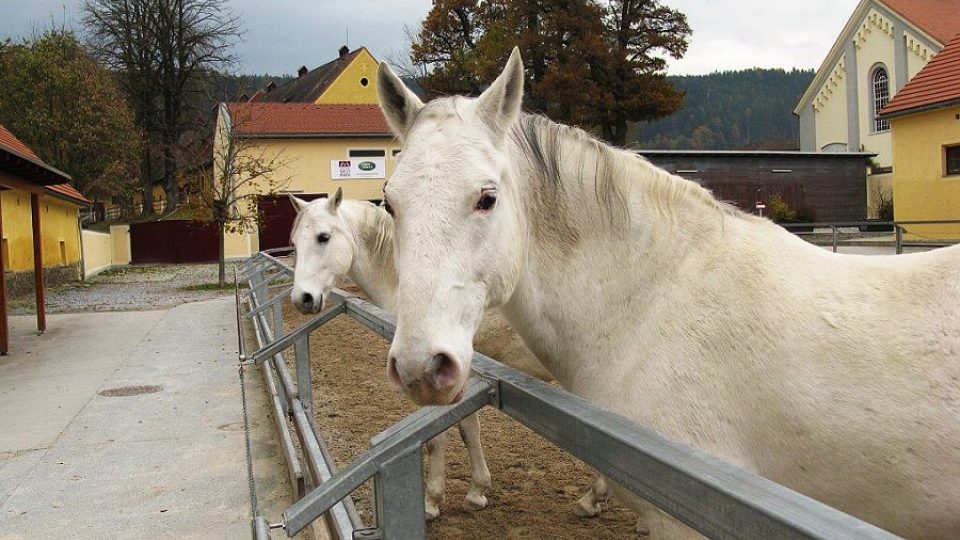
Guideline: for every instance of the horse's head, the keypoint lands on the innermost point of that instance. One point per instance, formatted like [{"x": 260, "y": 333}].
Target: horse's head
[
  {"x": 459, "y": 239},
  {"x": 324, "y": 251}
]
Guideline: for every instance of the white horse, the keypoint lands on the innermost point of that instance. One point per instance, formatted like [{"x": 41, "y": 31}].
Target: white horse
[
  {"x": 338, "y": 239},
  {"x": 837, "y": 376}
]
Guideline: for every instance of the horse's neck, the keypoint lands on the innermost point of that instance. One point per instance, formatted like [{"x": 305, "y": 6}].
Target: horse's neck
[
  {"x": 612, "y": 260},
  {"x": 373, "y": 269}
]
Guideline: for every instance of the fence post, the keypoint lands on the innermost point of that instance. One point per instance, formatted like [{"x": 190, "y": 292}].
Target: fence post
[
  {"x": 277, "y": 321},
  {"x": 899, "y": 239},
  {"x": 398, "y": 496},
  {"x": 301, "y": 351},
  {"x": 834, "y": 227}
]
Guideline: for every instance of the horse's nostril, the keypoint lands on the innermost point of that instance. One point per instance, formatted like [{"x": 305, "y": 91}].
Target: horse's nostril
[
  {"x": 393, "y": 373},
  {"x": 446, "y": 371},
  {"x": 306, "y": 299}
]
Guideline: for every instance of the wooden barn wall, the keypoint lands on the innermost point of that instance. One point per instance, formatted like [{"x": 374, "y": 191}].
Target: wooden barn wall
[{"x": 834, "y": 186}]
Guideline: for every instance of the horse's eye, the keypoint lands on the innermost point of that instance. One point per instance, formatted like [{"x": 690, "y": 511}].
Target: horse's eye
[
  {"x": 323, "y": 238},
  {"x": 487, "y": 201}
]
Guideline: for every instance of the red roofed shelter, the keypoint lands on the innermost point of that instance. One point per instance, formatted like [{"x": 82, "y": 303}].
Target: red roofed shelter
[{"x": 39, "y": 226}]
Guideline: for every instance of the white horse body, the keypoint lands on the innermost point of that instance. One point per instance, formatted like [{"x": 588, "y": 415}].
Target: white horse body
[{"x": 837, "y": 376}]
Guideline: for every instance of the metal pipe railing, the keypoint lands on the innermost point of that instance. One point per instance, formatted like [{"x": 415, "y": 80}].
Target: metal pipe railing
[{"x": 713, "y": 497}]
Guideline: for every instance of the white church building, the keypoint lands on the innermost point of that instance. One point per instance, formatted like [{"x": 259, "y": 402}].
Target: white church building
[{"x": 883, "y": 45}]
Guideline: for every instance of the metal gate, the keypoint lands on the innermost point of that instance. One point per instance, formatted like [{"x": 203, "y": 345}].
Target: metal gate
[
  {"x": 174, "y": 241},
  {"x": 713, "y": 497}
]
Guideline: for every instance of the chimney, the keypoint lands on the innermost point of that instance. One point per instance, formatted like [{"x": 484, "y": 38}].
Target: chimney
[
  {"x": 302, "y": 71},
  {"x": 344, "y": 51}
]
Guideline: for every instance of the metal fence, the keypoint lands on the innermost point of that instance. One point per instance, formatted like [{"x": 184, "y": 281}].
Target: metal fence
[
  {"x": 713, "y": 497},
  {"x": 897, "y": 228}
]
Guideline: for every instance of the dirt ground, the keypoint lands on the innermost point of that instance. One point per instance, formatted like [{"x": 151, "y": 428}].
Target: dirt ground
[{"x": 535, "y": 485}]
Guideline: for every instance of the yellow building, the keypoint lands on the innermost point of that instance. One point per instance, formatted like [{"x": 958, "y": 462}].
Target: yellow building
[
  {"x": 884, "y": 44},
  {"x": 925, "y": 122},
  {"x": 39, "y": 214},
  {"x": 327, "y": 130}
]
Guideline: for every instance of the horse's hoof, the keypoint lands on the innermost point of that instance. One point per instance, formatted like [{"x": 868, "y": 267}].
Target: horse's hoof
[
  {"x": 472, "y": 503},
  {"x": 432, "y": 512},
  {"x": 586, "y": 511}
]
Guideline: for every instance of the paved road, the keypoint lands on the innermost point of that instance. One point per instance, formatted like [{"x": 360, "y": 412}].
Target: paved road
[{"x": 84, "y": 456}]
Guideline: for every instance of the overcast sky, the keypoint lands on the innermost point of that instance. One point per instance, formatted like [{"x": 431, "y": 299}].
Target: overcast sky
[{"x": 282, "y": 35}]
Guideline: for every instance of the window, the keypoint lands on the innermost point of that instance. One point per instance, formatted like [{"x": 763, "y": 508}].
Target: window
[
  {"x": 368, "y": 153},
  {"x": 881, "y": 95},
  {"x": 63, "y": 253},
  {"x": 951, "y": 160},
  {"x": 395, "y": 152},
  {"x": 364, "y": 81}
]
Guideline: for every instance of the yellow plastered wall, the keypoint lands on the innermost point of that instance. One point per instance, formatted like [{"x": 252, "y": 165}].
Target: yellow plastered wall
[
  {"x": 307, "y": 168},
  {"x": 921, "y": 191},
  {"x": 97, "y": 252},
  {"x": 357, "y": 83},
  {"x": 60, "y": 231},
  {"x": 120, "y": 240}
]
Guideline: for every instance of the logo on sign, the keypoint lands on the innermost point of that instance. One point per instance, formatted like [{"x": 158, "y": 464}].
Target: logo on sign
[{"x": 366, "y": 165}]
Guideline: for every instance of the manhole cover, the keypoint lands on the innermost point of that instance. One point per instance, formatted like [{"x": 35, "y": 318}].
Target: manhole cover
[{"x": 125, "y": 391}]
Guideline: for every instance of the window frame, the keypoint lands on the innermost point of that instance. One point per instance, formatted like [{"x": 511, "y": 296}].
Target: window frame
[
  {"x": 947, "y": 149},
  {"x": 350, "y": 151},
  {"x": 878, "y": 102}
]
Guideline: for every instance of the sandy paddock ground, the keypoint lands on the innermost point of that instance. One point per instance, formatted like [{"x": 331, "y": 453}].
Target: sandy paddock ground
[{"x": 535, "y": 485}]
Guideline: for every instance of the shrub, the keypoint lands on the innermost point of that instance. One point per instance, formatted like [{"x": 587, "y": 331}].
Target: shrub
[{"x": 780, "y": 211}]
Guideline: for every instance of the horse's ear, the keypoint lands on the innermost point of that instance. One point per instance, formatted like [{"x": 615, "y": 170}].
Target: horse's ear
[
  {"x": 500, "y": 104},
  {"x": 298, "y": 204},
  {"x": 334, "y": 202},
  {"x": 400, "y": 106}
]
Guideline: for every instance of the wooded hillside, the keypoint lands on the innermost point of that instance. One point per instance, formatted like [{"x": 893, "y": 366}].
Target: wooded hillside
[{"x": 751, "y": 109}]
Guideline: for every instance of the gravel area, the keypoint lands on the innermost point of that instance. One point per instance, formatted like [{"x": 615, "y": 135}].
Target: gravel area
[{"x": 132, "y": 288}]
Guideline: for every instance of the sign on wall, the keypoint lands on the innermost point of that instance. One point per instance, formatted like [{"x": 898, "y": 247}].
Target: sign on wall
[{"x": 368, "y": 167}]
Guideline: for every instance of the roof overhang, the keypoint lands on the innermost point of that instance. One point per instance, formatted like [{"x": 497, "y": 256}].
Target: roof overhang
[
  {"x": 920, "y": 109},
  {"x": 383, "y": 135},
  {"x": 67, "y": 198},
  {"x": 16, "y": 164}
]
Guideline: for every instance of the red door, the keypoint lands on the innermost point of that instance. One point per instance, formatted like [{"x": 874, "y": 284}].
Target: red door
[{"x": 276, "y": 219}]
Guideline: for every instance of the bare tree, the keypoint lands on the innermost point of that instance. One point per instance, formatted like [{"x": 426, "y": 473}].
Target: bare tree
[
  {"x": 243, "y": 172},
  {"x": 161, "y": 50}
]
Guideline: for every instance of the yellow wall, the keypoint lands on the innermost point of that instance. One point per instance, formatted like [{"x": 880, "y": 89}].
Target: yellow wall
[
  {"x": 307, "y": 167},
  {"x": 920, "y": 189},
  {"x": 120, "y": 240},
  {"x": 58, "y": 224},
  {"x": 348, "y": 86},
  {"x": 97, "y": 252}
]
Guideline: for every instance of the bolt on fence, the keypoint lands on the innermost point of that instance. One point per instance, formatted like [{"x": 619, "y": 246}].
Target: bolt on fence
[{"x": 713, "y": 497}]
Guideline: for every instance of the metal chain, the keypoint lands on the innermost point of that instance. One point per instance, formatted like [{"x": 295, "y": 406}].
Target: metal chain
[{"x": 254, "y": 511}]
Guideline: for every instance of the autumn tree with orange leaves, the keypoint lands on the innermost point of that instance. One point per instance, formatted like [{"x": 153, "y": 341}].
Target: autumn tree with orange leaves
[{"x": 597, "y": 64}]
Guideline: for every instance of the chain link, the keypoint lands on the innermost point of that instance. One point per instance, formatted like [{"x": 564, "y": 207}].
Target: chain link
[{"x": 254, "y": 511}]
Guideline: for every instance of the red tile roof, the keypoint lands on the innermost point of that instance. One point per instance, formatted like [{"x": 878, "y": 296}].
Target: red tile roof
[
  {"x": 307, "y": 119},
  {"x": 939, "y": 18},
  {"x": 9, "y": 141},
  {"x": 938, "y": 83},
  {"x": 68, "y": 192}
]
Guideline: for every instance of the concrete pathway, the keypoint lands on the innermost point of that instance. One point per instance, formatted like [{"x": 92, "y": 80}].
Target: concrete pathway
[{"x": 83, "y": 454}]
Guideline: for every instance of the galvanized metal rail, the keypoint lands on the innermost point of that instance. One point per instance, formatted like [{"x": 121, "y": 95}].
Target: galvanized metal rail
[{"x": 715, "y": 498}]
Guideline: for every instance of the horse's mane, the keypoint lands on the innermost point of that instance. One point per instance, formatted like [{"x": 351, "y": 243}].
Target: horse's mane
[{"x": 542, "y": 141}]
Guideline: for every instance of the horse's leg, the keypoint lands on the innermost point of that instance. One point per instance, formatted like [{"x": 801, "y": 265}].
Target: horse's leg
[
  {"x": 480, "y": 474},
  {"x": 589, "y": 504},
  {"x": 433, "y": 497}
]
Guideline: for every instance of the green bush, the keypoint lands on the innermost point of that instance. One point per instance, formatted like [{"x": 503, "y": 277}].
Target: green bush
[{"x": 780, "y": 211}]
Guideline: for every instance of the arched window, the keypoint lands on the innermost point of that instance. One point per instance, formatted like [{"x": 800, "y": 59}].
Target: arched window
[{"x": 880, "y": 82}]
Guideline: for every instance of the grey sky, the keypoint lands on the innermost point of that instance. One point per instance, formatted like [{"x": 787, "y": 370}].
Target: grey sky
[{"x": 282, "y": 35}]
